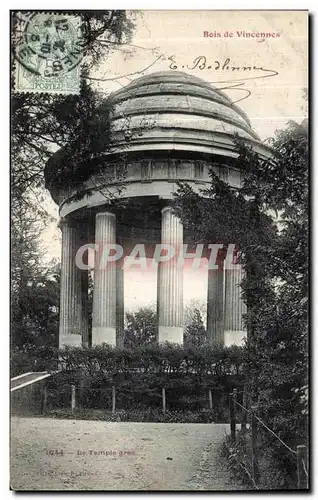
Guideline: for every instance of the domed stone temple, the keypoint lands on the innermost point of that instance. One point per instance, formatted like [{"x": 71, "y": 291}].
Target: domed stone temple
[{"x": 165, "y": 127}]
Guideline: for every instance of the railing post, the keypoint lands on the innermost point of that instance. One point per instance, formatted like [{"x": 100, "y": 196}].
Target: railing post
[
  {"x": 234, "y": 410},
  {"x": 234, "y": 404},
  {"x": 302, "y": 478},
  {"x": 221, "y": 399},
  {"x": 244, "y": 413},
  {"x": 254, "y": 447},
  {"x": 44, "y": 400},
  {"x": 81, "y": 393},
  {"x": 210, "y": 400},
  {"x": 113, "y": 399},
  {"x": 232, "y": 416},
  {"x": 163, "y": 400},
  {"x": 73, "y": 398}
]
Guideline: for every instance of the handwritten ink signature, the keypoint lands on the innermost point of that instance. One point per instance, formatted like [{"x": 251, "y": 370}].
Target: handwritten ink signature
[{"x": 201, "y": 63}]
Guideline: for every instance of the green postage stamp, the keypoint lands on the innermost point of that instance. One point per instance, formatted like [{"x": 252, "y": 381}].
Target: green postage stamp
[{"x": 48, "y": 53}]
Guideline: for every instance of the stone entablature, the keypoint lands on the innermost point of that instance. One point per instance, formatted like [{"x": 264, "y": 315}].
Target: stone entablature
[{"x": 130, "y": 177}]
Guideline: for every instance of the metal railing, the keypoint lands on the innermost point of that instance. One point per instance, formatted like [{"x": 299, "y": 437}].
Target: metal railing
[{"x": 74, "y": 396}]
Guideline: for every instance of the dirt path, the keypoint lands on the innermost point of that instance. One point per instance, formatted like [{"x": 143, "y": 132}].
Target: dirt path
[{"x": 49, "y": 454}]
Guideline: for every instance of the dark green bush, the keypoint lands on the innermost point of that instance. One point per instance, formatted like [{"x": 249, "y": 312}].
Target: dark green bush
[
  {"x": 202, "y": 361},
  {"x": 277, "y": 466},
  {"x": 139, "y": 376},
  {"x": 33, "y": 358}
]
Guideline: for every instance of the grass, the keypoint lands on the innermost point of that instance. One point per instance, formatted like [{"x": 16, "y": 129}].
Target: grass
[{"x": 134, "y": 415}]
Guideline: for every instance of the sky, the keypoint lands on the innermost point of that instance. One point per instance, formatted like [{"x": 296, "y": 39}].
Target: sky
[{"x": 271, "y": 94}]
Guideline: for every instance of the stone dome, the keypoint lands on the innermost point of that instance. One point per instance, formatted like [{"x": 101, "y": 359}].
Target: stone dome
[
  {"x": 172, "y": 110},
  {"x": 162, "y": 128}
]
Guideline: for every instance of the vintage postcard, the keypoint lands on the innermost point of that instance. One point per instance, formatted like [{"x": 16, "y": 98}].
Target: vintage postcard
[{"x": 159, "y": 250}]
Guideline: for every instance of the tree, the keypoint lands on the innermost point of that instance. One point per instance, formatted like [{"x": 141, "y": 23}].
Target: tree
[
  {"x": 195, "y": 333},
  {"x": 41, "y": 123},
  {"x": 35, "y": 308},
  {"x": 267, "y": 218},
  {"x": 140, "y": 328},
  {"x": 189, "y": 308}
]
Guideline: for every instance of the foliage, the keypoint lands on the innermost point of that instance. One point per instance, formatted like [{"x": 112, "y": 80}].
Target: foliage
[
  {"x": 30, "y": 357},
  {"x": 272, "y": 476},
  {"x": 41, "y": 123},
  {"x": 267, "y": 218},
  {"x": 154, "y": 358},
  {"x": 34, "y": 304},
  {"x": 140, "y": 328},
  {"x": 139, "y": 375},
  {"x": 239, "y": 459},
  {"x": 189, "y": 308},
  {"x": 195, "y": 333}
]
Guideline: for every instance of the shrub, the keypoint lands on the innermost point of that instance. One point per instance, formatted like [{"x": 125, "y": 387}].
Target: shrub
[
  {"x": 139, "y": 376},
  {"x": 277, "y": 469}
]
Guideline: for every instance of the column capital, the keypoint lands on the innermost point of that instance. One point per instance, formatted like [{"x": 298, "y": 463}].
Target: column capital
[
  {"x": 168, "y": 207},
  {"x": 67, "y": 222},
  {"x": 109, "y": 214}
]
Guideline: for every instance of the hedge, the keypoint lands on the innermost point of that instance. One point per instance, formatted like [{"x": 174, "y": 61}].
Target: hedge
[{"x": 139, "y": 375}]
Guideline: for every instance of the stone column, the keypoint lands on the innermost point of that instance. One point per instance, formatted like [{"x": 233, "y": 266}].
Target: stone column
[
  {"x": 170, "y": 282},
  {"x": 215, "y": 308},
  {"x": 85, "y": 331},
  {"x": 71, "y": 308},
  {"x": 234, "y": 305},
  {"x": 120, "y": 311},
  {"x": 104, "y": 293},
  {"x": 84, "y": 290}
]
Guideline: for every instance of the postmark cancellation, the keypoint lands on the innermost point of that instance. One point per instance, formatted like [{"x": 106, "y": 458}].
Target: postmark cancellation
[{"x": 48, "y": 50}]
